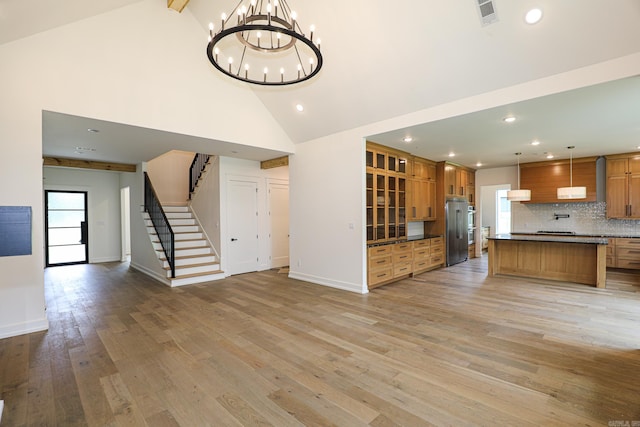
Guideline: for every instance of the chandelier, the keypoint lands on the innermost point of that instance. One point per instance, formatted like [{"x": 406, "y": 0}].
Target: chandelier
[{"x": 266, "y": 46}]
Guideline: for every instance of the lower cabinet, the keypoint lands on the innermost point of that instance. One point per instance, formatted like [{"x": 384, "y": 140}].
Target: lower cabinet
[
  {"x": 624, "y": 253},
  {"x": 391, "y": 262}
]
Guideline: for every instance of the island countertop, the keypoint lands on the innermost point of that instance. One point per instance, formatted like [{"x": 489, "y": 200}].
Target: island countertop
[
  {"x": 568, "y": 258},
  {"x": 560, "y": 238}
]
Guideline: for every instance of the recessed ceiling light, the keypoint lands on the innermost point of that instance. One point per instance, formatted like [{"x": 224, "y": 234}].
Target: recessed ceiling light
[
  {"x": 533, "y": 16},
  {"x": 509, "y": 119},
  {"x": 536, "y": 142},
  {"x": 549, "y": 156},
  {"x": 452, "y": 154},
  {"x": 478, "y": 164},
  {"x": 300, "y": 108},
  {"x": 93, "y": 130},
  {"x": 638, "y": 147},
  {"x": 407, "y": 139}
]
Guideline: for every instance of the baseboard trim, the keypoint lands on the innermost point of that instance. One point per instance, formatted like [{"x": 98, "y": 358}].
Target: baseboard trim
[
  {"x": 344, "y": 286},
  {"x": 105, "y": 259},
  {"x": 24, "y": 328},
  {"x": 144, "y": 270}
]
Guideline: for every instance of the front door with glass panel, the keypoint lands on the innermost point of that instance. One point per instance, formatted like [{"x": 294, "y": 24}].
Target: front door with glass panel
[{"x": 66, "y": 234}]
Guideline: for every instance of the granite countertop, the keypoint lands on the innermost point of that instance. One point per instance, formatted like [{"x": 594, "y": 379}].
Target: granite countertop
[
  {"x": 562, "y": 238},
  {"x": 410, "y": 239}
]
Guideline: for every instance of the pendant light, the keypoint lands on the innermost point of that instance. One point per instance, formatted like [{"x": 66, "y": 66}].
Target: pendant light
[
  {"x": 519, "y": 195},
  {"x": 571, "y": 192}
]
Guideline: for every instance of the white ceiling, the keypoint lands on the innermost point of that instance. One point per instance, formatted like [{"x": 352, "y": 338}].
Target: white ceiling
[{"x": 387, "y": 59}]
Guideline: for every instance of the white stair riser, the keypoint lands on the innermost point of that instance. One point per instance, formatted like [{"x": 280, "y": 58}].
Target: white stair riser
[
  {"x": 181, "y": 222},
  {"x": 191, "y": 261},
  {"x": 185, "y": 271},
  {"x": 178, "y": 215},
  {"x": 179, "y": 245},
  {"x": 175, "y": 209},
  {"x": 178, "y": 236},
  {"x": 194, "y": 251},
  {"x": 188, "y": 236}
]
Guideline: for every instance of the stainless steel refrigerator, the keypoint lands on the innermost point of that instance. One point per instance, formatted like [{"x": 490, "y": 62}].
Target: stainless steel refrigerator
[{"x": 456, "y": 230}]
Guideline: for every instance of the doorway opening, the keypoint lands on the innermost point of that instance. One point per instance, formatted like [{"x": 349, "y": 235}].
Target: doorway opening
[
  {"x": 503, "y": 209},
  {"x": 66, "y": 231}
]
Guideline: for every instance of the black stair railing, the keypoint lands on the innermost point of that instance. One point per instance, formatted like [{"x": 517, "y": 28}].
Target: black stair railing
[
  {"x": 197, "y": 166},
  {"x": 160, "y": 222}
]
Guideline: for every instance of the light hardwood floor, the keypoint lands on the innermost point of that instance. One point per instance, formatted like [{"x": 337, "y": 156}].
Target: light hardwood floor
[{"x": 449, "y": 347}]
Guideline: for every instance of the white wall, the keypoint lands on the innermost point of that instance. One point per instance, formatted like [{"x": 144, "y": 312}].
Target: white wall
[
  {"x": 231, "y": 168},
  {"x": 169, "y": 175},
  {"x": 142, "y": 65},
  {"x": 327, "y": 212},
  {"x": 103, "y": 207},
  {"x": 205, "y": 202}
]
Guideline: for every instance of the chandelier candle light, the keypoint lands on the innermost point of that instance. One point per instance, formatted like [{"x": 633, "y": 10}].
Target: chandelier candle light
[
  {"x": 519, "y": 195},
  {"x": 266, "y": 38}
]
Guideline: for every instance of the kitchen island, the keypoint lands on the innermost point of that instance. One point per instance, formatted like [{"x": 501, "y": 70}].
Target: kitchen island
[{"x": 579, "y": 259}]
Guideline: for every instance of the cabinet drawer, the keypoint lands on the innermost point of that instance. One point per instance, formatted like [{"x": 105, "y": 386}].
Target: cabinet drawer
[
  {"x": 402, "y": 257},
  {"x": 379, "y": 250},
  {"x": 380, "y": 262},
  {"x": 380, "y": 276},
  {"x": 421, "y": 265},
  {"x": 611, "y": 251},
  {"x": 611, "y": 262},
  {"x": 421, "y": 253},
  {"x": 402, "y": 247},
  {"x": 402, "y": 269},
  {"x": 628, "y": 253},
  {"x": 421, "y": 244},
  {"x": 437, "y": 259},
  {"x": 437, "y": 241},
  {"x": 628, "y": 263},
  {"x": 437, "y": 249},
  {"x": 630, "y": 243}
]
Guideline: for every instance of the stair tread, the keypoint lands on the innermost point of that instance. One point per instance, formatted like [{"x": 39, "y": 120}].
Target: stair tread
[
  {"x": 204, "y": 264},
  {"x": 190, "y": 256},
  {"x": 187, "y": 276}
]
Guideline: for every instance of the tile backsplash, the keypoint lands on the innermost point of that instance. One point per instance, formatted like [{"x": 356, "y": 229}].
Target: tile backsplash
[{"x": 584, "y": 218}]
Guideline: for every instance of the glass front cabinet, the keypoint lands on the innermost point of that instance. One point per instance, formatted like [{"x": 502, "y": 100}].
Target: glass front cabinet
[{"x": 386, "y": 183}]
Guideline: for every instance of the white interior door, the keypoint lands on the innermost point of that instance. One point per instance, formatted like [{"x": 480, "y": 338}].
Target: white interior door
[
  {"x": 242, "y": 211},
  {"x": 279, "y": 218}
]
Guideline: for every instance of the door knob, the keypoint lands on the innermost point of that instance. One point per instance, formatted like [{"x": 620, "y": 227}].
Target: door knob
[{"x": 233, "y": 240}]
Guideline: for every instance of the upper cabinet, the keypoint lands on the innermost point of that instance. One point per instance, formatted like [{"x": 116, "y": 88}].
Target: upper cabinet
[
  {"x": 544, "y": 178},
  {"x": 386, "y": 194},
  {"x": 459, "y": 181},
  {"x": 623, "y": 186},
  {"x": 421, "y": 204}
]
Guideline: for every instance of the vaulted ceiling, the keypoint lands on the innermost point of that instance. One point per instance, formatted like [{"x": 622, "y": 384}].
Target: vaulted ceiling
[{"x": 387, "y": 59}]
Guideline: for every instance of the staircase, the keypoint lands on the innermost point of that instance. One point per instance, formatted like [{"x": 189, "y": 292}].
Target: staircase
[{"x": 196, "y": 261}]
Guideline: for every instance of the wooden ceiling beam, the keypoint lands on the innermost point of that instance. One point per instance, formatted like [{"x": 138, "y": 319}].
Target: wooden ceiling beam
[
  {"x": 178, "y": 5},
  {"x": 275, "y": 163},
  {"x": 88, "y": 164}
]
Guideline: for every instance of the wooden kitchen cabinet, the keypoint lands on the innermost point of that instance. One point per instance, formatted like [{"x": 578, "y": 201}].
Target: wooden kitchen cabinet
[
  {"x": 386, "y": 194},
  {"x": 459, "y": 182},
  {"x": 625, "y": 253},
  {"x": 623, "y": 186},
  {"x": 421, "y": 204}
]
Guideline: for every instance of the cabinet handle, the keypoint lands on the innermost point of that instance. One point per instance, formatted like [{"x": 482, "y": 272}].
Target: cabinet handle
[
  {"x": 381, "y": 275},
  {"x": 381, "y": 262},
  {"x": 462, "y": 191},
  {"x": 429, "y": 211},
  {"x": 414, "y": 212},
  {"x": 451, "y": 189}
]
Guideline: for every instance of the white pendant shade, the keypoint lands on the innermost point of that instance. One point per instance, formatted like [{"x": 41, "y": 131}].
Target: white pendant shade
[
  {"x": 572, "y": 193},
  {"x": 519, "y": 195}
]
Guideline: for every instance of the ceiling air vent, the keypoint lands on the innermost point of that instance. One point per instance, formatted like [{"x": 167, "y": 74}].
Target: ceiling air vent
[{"x": 487, "y": 12}]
